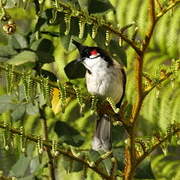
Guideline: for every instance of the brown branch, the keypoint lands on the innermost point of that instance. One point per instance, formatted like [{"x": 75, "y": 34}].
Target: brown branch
[
  {"x": 52, "y": 84},
  {"x": 63, "y": 152},
  {"x": 152, "y": 23},
  {"x": 123, "y": 37},
  {"x": 48, "y": 150},
  {"x": 159, "y": 4},
  {"x": 130, "y": 151},
  {"x": 94, "y": 20},
  {"x": 165, "y": 10},
  {"x": 146, "y": 154},
  {"x": 130, "y": 158},
  {"x": 156, "y": 84}
]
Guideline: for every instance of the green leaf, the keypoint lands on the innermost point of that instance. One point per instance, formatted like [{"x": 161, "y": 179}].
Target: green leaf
[
  {"x": 118, "y": 133},
  {"x": 3, "y": 38},
  {"x": 25, "y": 58},
  {"x": 20, "y": 167},
  {"x": 75, "y": 70},
  {"x": 37, "y": 6},
  {"x": 66, "y": 41},
  {"x": 84, "y": 4},
  {"x": 100, "y": 37},
  {"x": 93, "y": 155},
  {"x": 118, "y": 52},
  {"x": 35, "y": 166},
  {"x": 46, "y": 45},
  {"x": 99, "y": 6},
  {"x": 77, "y": 166},
  {"x": 68, "y": 134},
  {"x": 45, "y": 51},
  {"x": 73, "y": 34},
  {"x": 7, "y": 104},
  {"x": 41, "y": 21},
  {"x": 119, "y": 154},
  {"x": 47, "y": 74},
  {"x": 6, "y": 52},
  {"x": 18, "y": 41},
  {"x": 71, "y": 165},
  {"x": 144, "y": 170},
  {"x": 32, "y": 109},
  {"x": 30, "y": 177},
  {"x": 18, "y": 112}
]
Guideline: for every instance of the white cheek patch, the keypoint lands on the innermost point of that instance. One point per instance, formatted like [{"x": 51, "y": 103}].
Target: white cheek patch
[
  {"x": 94, "y": 56},
  {"x": 95, "y": 64}
]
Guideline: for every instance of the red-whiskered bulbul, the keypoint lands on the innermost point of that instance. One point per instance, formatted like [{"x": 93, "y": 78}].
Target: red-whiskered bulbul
[{"x": 104, "y": 77}]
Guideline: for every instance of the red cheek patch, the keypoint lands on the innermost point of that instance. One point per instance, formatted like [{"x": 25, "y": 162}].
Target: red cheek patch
[{"x": 93, "y": 52}]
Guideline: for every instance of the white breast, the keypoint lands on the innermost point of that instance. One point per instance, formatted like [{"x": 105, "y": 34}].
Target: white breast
[{"x": 103, "y": 80}]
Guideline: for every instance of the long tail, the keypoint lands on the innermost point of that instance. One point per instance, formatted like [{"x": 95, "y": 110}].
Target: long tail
[{"x": 102, "y": 139}]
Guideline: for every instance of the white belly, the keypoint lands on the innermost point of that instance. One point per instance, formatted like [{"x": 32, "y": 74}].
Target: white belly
[{"x": 106, "y": 83}]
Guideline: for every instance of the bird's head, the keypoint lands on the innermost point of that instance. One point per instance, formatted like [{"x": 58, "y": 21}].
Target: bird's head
[{"x": 91, "y": 54}]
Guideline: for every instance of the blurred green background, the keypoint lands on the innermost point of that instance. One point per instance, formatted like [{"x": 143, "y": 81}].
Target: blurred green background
[{"x": 159, "y": 110}]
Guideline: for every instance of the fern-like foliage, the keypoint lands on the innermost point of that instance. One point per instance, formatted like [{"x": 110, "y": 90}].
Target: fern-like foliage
[{"x": 46, "y": 118}]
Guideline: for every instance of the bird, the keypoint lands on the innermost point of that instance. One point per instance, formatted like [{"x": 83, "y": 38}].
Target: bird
[{"x": 105, "y": 77}]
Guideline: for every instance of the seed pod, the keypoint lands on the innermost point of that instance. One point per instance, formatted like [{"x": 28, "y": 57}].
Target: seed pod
[
  {"x": 157, "y": 93},
  {"x": 23, "y": 140},
  {"x": 40, "y": 145},
  {"x": 6, "y": 136},
  {"x": 67, "y": 19},
  {"x": 5, "y": 17},
  {"x": 26, "y": 83},
  {"x": 79, "y": 98},
  {"x": 111, "y": 102},
  {"x": 82, "y": 24},
  {"x": 54, "y": 148},
  {"x": 120, "y": 42},
  {"x": 9, "y": 77},
  {"x": 107, "y": 38},
  {"x": 94, "y": 31},
  {"x": 62, "y": 95},
  {"x": 54, "y": 16},
  {"x": 57, "y": 6},
  {"x": 32, "y": 89},
  {"x": 46, "y": 90},
  {"x": 135, "y": 33},
  {"x": 163, "y": 73},
  {"x": 10, "y": 27},
  {"x": 94, "y": 100}
]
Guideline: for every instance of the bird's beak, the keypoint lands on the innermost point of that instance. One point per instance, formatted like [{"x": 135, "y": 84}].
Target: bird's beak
[
  {"x": 79, "y": 60},
  {"x": 78, "y": 45}
]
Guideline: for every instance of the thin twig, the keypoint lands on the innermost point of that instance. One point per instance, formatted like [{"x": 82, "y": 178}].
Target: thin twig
[
  {"x": 94, "y": 20},
  {"x": 165, "y": 10},
  {"x": 156, "y": 145},
  {"x": 159, "y": 4},
  {"x": 152, "y": 23},
  {"x": 130, "y": 151},
  {"x": 48, "y": 150},
  {"x": 130, "y": 158},
  {"x": 156, "y": 84},
  {"x": 52, "y": 84},
  {"x": 63, "y": 152}
]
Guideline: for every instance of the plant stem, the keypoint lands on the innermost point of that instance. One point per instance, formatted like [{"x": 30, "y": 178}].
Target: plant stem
[
  {"x": 130, "y": 151},
  {"x": 48, "y": 150},
  {"x": 131, "y": 162},
  {"x": 63, "y": 152}
]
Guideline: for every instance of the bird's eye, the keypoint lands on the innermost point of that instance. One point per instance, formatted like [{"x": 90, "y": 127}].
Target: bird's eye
[{"x": 93, "y": 52}]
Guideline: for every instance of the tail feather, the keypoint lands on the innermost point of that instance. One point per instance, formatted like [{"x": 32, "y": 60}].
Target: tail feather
[{"x": 102, "y": 139}]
